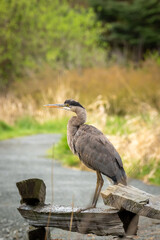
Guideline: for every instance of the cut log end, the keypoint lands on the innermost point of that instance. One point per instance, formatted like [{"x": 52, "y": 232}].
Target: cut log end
[{"x": 32, "y": 191}]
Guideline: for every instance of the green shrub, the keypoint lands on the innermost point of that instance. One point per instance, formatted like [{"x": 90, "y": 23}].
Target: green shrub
[{"x": 4, "y": 127}]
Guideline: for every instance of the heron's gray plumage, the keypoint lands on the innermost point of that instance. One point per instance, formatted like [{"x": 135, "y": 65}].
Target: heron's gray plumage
[{"x": 92, "y": 147}]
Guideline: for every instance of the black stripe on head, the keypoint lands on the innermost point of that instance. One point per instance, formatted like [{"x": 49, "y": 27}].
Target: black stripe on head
[{"x": 73, "y": 103}]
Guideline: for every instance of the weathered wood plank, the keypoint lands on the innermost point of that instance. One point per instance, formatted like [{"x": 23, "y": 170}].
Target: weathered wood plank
[
  {"x": 133, "y": 200},
  {"x": 97, "y": 221},
  {"x": 32, "y": 191}
]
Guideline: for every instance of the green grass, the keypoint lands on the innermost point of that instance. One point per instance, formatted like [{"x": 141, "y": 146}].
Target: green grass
[
  {"x": 117, "y": 125},
  {"x": 142, "y": 171},
  {"x": 5, "y": 127},
  {"x": 29, "y": 126},
  {"x": 155, "y": 179}
]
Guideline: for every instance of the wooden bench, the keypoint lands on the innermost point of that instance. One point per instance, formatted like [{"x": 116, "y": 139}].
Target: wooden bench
[{"x": 127, "y": 203}]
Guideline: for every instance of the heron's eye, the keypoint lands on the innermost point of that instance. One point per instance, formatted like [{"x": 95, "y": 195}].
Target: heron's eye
[{"x": 67, "y": 105}]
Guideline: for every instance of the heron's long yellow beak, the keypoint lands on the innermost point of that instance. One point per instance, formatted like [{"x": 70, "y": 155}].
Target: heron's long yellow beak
[
  {"x": 61, "y": 106},
  {"x": 55, "y": 105}
]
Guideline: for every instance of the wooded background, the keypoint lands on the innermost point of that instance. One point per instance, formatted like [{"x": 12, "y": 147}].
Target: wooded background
[{"x": 65, "y": 34}]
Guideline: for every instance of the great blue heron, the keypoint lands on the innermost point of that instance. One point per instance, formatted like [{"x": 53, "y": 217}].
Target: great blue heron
[{"x": 92, "y": 147}]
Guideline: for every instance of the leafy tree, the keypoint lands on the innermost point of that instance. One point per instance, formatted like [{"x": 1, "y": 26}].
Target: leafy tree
[
  {"x": 35, "y": 32},
  {"x": 134, "y": 24}
]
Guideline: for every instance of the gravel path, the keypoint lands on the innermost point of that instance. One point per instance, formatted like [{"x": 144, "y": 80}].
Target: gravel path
[{"x": 23, "y": 158}]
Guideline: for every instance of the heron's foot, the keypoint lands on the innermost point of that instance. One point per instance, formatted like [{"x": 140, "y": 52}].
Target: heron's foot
[{"x": 84, "y": 209}]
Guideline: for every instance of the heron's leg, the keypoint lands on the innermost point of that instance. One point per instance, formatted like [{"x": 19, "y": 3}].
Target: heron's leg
[
  {"x": 96, "y": 190},
  {"x": 99, "y": 185},
  {"x": 96, "y": 194}
]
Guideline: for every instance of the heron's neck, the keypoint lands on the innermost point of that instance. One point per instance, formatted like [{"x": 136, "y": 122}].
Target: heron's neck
[
  {"x": 73, "y": 126},
  {"x": 80, "y": 118},
  {"x": 76, "y": 121}
]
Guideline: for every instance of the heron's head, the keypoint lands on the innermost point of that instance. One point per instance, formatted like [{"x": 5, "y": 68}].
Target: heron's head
[{"x": 70, "y": 105}]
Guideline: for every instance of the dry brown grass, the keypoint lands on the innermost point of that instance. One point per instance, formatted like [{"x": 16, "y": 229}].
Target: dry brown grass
[
  {"x": 124, "y": 90},
  {"x": 140, "y": 148}
]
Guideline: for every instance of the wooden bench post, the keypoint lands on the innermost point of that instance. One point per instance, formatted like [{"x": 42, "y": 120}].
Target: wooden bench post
[{"x": 33, "y": 193}]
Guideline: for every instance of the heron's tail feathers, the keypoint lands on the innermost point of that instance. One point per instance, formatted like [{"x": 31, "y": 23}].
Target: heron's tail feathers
[
  {"x": 123, "y": 181},
  {"x": 121, "y": 178}
]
